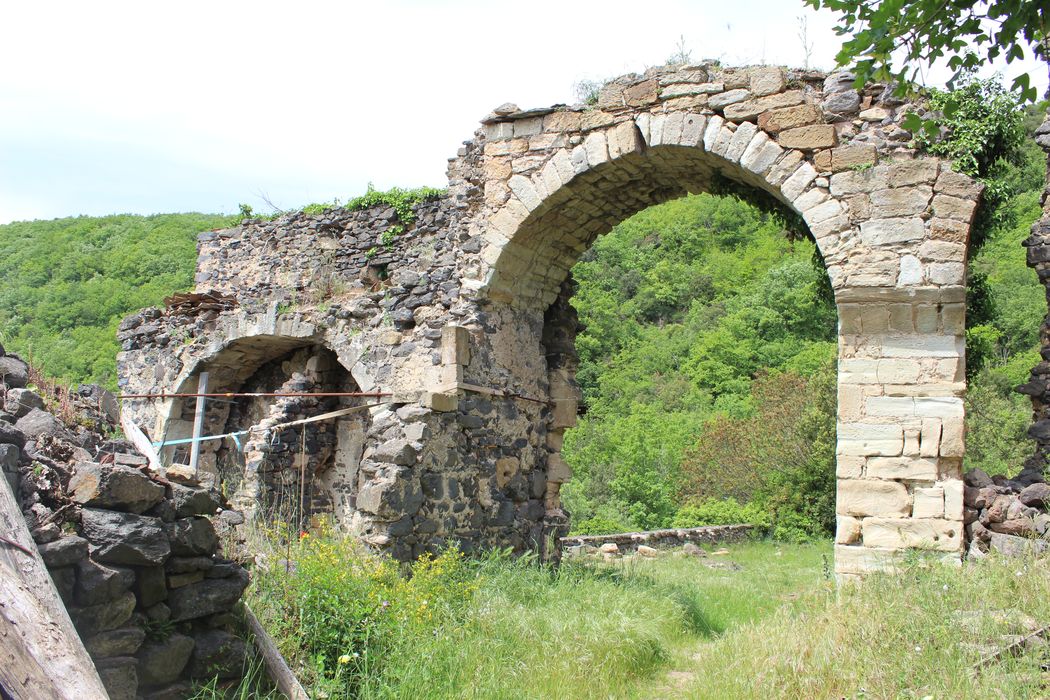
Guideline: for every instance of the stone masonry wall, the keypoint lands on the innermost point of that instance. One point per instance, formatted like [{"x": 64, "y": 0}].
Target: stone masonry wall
[{"x": 464, "y": 322}]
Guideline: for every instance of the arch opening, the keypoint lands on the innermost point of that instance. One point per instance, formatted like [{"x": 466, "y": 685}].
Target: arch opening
[{"x": 285, "y": 468}]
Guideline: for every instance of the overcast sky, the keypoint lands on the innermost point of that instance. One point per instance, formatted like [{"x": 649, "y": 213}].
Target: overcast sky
[{"x": 143, "y": 107}]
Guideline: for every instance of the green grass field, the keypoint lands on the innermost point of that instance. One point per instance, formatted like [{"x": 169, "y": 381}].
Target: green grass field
[{"x": 763, "y": 621}]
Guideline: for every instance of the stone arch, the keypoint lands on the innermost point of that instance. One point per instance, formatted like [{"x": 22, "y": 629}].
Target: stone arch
[
  {"x": 262, "y": 470},
  {"x": 892, "y": 229}
]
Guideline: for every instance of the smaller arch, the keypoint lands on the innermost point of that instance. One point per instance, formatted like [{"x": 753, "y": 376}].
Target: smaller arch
[{"x": 295, "y": 474}]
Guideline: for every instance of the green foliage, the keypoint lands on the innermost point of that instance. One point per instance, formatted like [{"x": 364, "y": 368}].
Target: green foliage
[
  {"x": 68, "y": 282},
  {"x": 965, "y": 35},
  {"x": 720, "y": 511},
  {"x": 682, "y": 306},
  {"x": 341, "y": 612},
  {"x": 517, "y": 629}
]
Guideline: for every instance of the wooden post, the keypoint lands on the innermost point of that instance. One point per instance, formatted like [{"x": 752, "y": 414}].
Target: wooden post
[
  {"x": 41, "y": 655},
  {"x": 198, "y": 422},
  {"x": 277, "y": 667}
]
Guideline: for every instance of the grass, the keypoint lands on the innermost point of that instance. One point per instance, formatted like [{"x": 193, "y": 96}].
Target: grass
[{"x": 764, "y": 621}]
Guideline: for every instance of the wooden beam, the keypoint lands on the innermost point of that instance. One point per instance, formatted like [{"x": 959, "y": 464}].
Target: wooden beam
[
  {"x": 276, "y": 666},
  {"x": 41, "y": 655}
]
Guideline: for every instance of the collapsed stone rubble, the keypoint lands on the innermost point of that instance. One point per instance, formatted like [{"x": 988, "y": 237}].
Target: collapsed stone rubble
[
  {"x": 1010, "y": 516},
  {"x": 134, "y": 554}
]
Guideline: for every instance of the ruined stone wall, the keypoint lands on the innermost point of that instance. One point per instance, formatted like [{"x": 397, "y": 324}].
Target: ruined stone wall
[{"x": 464, "y": 322}]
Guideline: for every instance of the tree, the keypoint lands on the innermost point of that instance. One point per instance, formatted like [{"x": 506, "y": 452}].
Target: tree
[{"x": 965, "y": 34}]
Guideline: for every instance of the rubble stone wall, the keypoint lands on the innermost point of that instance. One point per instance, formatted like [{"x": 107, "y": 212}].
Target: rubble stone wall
[
  {"x": 135, "y": 556},
  {"x": 463, "y": 319}
]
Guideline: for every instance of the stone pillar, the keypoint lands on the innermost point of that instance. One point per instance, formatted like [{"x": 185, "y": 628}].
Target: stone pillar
[
  {"x": 1038, "y": 386},
  {"x": 900, "y": 431}
]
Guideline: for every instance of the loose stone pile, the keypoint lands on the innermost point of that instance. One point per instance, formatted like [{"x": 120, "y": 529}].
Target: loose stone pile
[
  {"x": 1006, "y": 515},
  {"x": 134, "y": 555}
]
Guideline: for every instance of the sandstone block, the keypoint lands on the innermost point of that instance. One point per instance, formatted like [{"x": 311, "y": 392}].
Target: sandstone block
[
  {"x": 912, "y": 172},
  {"x": 930, "y": 438},
  {"x": 690, "y": 89},
  {"x": 846, "y": 157},
  {"x": 877, "y": 232},
  {"x": 868, "y": 497},
  {"x": 942, "y": 251},
  {"x": 929, "y": 502},
  {"x": 911, "y": 271},
  {"x": 953, "y": 498},
  {"x": 947, "y": 273},
  {"x": 750, "y": 109},
  {"x": 900, "y": 201},
  {"x": 847, "y": 529},
  {"x": 948, "y": 207},
  {"x": 949, "y": 230},
  {"x": 912, "y": 533},
  {"x": 858, "y": 181},
  {"x": 641, "y": 94},
  {"x": 849, "y": 467},
  {"x": 809, "y": 138},
  {"x": 766, "y": 80},
  {"x": 857, "y": 560},
  {"x": 723, "y": 100},
  {"x": 916, "y": 469},
  {"x": 777, "y": 120},
  {"x": 864, "y": 439},
  {"x": 874, "y": 114},
  {"x": 956, "y": 184},
  {"x": 797, "y": 183}
]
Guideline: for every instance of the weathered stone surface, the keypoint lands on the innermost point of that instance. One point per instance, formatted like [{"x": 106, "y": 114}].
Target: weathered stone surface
[
  {"x": 1036, "y": 495},
  {"x": 864, "y": 497},
  {"x": 192, "y": 536},
  {"x": 119, "y": 676},
  {"x": 912, "y": 533},
  {"x": 36, "y": 423},
  {"x": 93, "y": 619},
  {"x": 65, "y": 551},
  {"x": 808, "y": 138},
  {"x": 114, "y": 486},
  {"x": 161, "y": 662},
  {"x": 13, "y": 372},
  {"x": 193, "y": 501},
  {"x": 846, "y": 157},
  {"x": 97, "y": 584},
  {"x": 19, "y": 402},
  {"x": 776, "y": 120},
  {"x": 750, "y": 109},
  {"x": 10, "y": 435},
  {"x": 207, "y": 597},
  {"x": 217, "y": 654},
  {"x": 124, "y": 641},
  {"x": 125, "y": 538}
]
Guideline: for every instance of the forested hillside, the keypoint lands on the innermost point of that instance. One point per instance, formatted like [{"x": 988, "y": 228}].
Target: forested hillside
[
  {"x": 707, "y": 357},
  {"x": 68, "y": 282}
]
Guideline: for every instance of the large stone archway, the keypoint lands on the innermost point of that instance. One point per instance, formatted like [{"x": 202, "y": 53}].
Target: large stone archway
[{"x": 468, "y": 330}]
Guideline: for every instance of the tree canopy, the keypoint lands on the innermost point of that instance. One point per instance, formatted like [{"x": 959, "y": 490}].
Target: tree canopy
[{"x": 891, "y": 40}]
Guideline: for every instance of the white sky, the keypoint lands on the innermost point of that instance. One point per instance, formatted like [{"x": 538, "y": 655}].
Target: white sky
[{"x": 143, "y": 107}]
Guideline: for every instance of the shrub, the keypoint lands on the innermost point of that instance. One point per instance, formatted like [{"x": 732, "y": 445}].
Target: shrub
[
  {"x": 341, "y": 611},
  {"x": 715, "y": 511}
]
